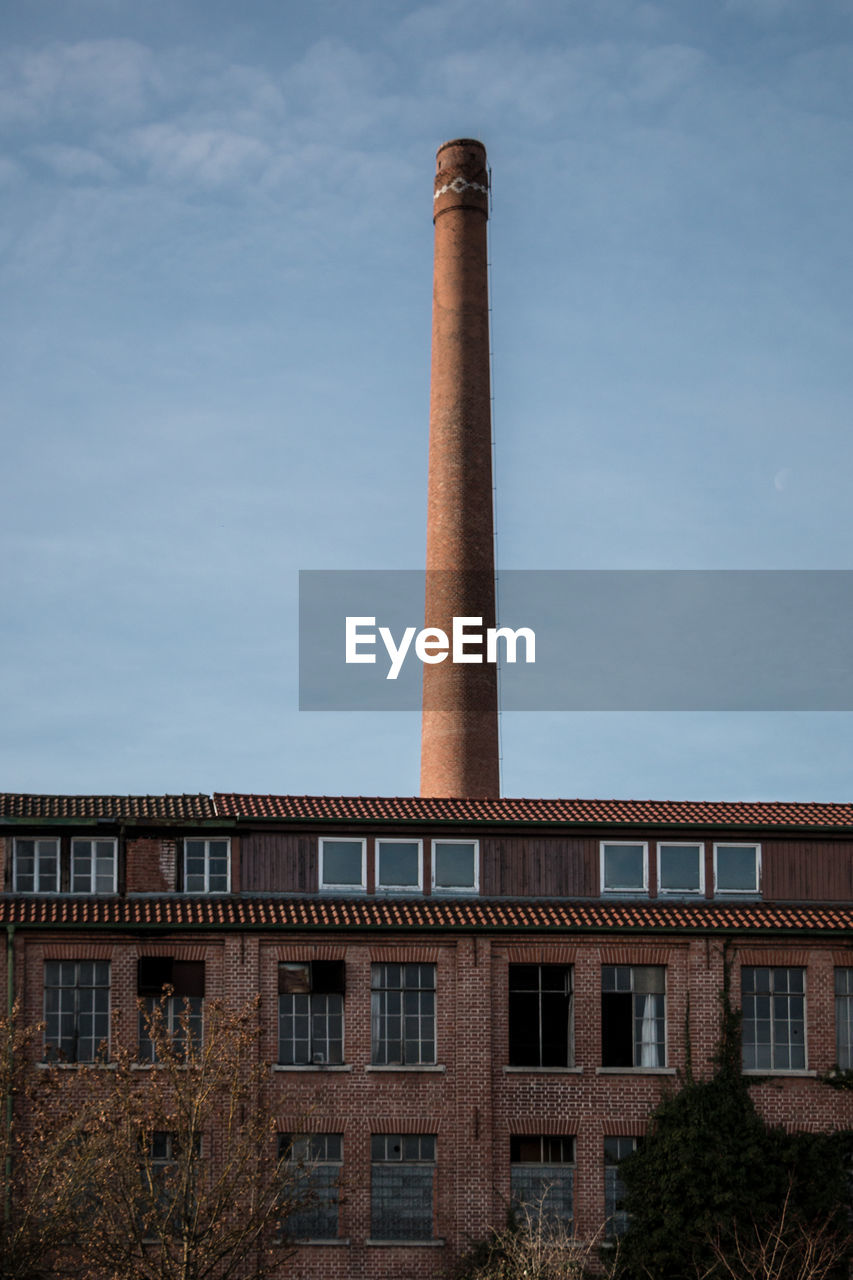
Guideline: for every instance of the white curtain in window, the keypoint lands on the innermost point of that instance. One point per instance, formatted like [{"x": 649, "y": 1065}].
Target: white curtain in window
[{"x": 649, "y": 1050}]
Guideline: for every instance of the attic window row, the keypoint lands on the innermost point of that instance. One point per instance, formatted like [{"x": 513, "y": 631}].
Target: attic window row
[
  {"x": 681, "y": 868},
  {"x": 91, "y": 865},
  {"x": 399, "y": 865}
]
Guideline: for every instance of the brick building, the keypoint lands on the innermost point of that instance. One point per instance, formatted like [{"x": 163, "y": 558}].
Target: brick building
[
  {"x": 464, "y": 1001},
  {"x": 467, "y": 999}
]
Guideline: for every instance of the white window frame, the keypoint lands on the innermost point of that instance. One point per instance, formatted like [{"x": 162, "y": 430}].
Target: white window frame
[
  {"x": 628, "y": 844},
  {"x": 207, "y": 841},
  {"x": 332, "y": 886},
  {"x": 462, "y": 889},
  {"x": 36, "y": 840},
  {"x": 739, "y": 844},
  {"x": 94, "y": 840},
  {"x": 398, "y": 888},
  {"x": 683, "y": 844}
]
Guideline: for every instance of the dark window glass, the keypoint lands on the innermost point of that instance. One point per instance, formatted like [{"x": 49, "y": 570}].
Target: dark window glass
[
  {"x": 455, "y": 864},
  {"x": 311, "y": 1013},
  {"x": 624, "y": 867},
  {"x": 773, "y": 1028},
  {"x": 680, "y": 867},
  {"x": 737, "y": 868},
  {"x": 398, "y": 864},
  {"x": 402, "y": 1186},
  {"x": 76, "y": 1009},
  {"x": 403, "y": 1014},
  {"x": 616, "y": 1217},
  {"x": 540, "y": 1015},
  {"x": 206, "y": 866},
  {"x": 343, "y": 864},
  {"x": 314, "y": 1165},
  {"x": 542, "y": 1176},
  {"x": 844, "y": 1018},
  {"x": 36, "y": 866}
]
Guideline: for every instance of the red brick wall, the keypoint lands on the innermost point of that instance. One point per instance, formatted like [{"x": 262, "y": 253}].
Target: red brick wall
[{"x": 474, "y": 1105}]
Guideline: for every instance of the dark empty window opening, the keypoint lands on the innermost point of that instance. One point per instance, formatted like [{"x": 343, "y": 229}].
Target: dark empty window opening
[{"x": 540, "y": 1015}]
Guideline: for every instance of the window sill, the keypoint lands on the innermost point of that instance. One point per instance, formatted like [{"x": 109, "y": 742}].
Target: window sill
[
  {"x": 635, "y": 1071},
  {"x": 160, "y": 1066},
  {"x": 779, "y": 1071},
  {"x": 334, "y": 1244},
  {"x": 406, "y": 1067},
  {"x": 407, "y": 1244},
  {"x": 312, "y": 1066},
  {"x": 77, "y": 1066},
  {"x": 543, "y": 1071}
]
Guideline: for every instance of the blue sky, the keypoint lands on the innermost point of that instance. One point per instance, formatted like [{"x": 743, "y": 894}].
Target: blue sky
[{"x": 215, "y": 272}]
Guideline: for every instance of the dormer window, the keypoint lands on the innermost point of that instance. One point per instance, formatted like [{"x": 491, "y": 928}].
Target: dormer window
[
  {"x": 83, "y": 864},
  {"x": 343, "y": 865},
  {"x": 94, "y": 866},
  {"x": 737, "y": 868},
  {"x": 455, "y": 866},
  {"x": 207, "y": 866},
  {"x": 399, "y": 866},
  {"x": 681, "y": 868},
  {"x": 624, "y": 867},
  {"x": 36, "y": 866}
]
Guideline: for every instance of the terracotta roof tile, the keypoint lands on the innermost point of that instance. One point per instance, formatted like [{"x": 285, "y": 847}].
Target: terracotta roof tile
[
  {"x": 424, "y": 913},
  {"x": 177, "y": 808},
  {"x": 591, "y": 812}
]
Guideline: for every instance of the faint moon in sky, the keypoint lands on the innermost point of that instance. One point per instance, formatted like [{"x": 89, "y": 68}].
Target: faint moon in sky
[{"x": 781, "y": 478}]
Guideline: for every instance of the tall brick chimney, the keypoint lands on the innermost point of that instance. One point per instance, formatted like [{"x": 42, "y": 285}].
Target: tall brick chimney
[{"x": 459, "y": 737}]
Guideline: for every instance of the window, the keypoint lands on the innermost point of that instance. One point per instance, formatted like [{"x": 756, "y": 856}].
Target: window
[
  {"x": 774, "y": 1018},
  {"x": 165, "y": 1208},
  {"x": 402, "y": 1184},
  {"x": 402, "y": 1013},
  {"x": 456, "y": 866},
  {"x": 207, "y": 866},
  {"x": 399, "y": 865},
  {"x": 93, "y": 866},
  {"x": 76, "y": 1009},
  {"x": 681, "y": 868},
  {"x": 737, "y": 868},
  {"x": 343, "y": 864},
  {"x": 633, "y": 1015},
  {"x": 844, "y": 1018},
  {"x": 311, "y": 1013},
  {"x": 315, "y": 1162},
  {"x": 36, "y": 866},
  {"x": 624, "y": 868},
  {"x": 182, "y": 1009},
  {"x": 542, "y": 1171},
  {"x": 540, "y": 1015},
  {"x": 615, "y": 1215}
]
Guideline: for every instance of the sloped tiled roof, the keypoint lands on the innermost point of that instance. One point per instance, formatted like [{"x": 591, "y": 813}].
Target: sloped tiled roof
[
  {"x": 591, "y": 812},
  {"x": 425, "y": 913},
  {"x": 230, "y": 805},
  {"x": 179, "y": 808}
]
